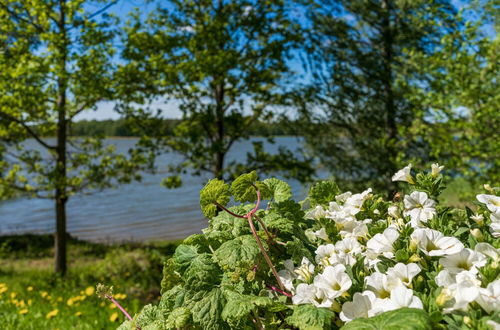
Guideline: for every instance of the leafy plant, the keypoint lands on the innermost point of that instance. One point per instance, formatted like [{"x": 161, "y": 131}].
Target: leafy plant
[{"x": 356, "y": 262}]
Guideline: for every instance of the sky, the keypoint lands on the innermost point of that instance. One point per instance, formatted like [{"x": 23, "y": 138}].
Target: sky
[{"x": 105, "y": 110}]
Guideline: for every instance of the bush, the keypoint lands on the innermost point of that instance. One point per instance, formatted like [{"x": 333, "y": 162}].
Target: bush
[{"x": 335, "y": 260}]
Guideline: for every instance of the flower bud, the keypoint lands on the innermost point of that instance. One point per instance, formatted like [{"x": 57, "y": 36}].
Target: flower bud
[
  {"x": 468, "y": 320},
  {"x": 443, "y": 297},
  {"x": 477, "y": 234},
  {"x": 478, "y": 218},
  {"x": 414, "y": 258},
  {"x": 436, "y": 169},
  {"x": 488, "y": 187}
]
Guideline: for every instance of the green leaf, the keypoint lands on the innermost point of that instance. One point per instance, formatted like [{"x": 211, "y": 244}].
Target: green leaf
[
  {"x": 401, "y": 319},
  {"x": 183, "y": 256},
  {"x": 178, "y": 318},
  {"x": 243, "y": 188},
  {"x": 202, "y": 273},
  {"x": 207, "y": 311},
  {"x": 214, "y": 191},
  {"x": 309, "y": 317},
  {"x": 241, "y": 251},
  {"x": 323, "y": 192},
  {"x": 277, "y": 223},
  {"x": 279, "y": 190},
  {"x": 239, "y": 307}
]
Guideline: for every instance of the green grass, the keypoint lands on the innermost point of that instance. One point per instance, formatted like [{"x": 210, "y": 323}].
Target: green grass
[{"x": 30, "y": 293}]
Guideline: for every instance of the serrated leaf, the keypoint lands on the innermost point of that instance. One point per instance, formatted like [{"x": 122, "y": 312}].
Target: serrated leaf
[
  {"x": 240, "y": 251},
  {"x": 309, "y": 317},
  {"x": 183, "y": 256},
  {"x": 202, "y": 273},
  {"x": 243, "y": 188},
  {"x": 239, "y": 306},
  {"x": 276, "y": 222},
  {"x": 401, "y": 319},
  {"x": 214, "y": 191},
  {"x": 178, "y": 318},
  {"x": 207, "y": 311},
  {"x": 323, "y": 192},
  {"x": 173, "y": 298},
  {"x": 278, "y": 190}
]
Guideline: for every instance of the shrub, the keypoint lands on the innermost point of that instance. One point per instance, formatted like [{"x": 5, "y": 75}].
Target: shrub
[{"x": 334, "y": 260}]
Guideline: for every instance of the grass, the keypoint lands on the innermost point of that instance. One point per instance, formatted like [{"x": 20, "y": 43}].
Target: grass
[{"x": 32, "y": 297}]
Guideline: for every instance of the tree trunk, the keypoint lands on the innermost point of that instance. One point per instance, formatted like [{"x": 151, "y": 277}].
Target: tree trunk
[{"x": 61, "y": 193}]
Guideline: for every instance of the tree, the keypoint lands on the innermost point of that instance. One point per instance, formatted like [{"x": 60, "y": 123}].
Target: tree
[
  {"x": 225, "y": 63},
  {"x": 462, "y": 97},
  {"x": 56, "y": 64},
  {"x": 357, "y": 101}
]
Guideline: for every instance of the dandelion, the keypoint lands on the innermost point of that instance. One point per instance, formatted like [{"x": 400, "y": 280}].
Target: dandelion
[
  {"x": 13, "y": 295},
  {"x": 89, "y": 291},
  {"x": 78, "y": 314},
  {"x": 44, "y": 294},
  {"x": 29, "y": 289},
  {"x": 52, "y": 314},
  {"x": 23, "y": 311},
  {"x": 113, "y": 317}
]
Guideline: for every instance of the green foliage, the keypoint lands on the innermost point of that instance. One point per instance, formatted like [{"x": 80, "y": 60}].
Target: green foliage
[
  {"x": 401, "y": 319},
  {"x": 279, "y": 191},
  {"x": 308, "y": 317},
  {"x": 243, "y": 187},
  {"x": 214, "y": 191},
  {"x": 322, "y": 193},
  {"x": 225, "y": 63}
]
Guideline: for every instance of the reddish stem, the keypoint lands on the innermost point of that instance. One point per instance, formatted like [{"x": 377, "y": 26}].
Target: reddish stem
[
  {"x": 269, "y": 235},
  {"x": 279, "y": 291},
  {"x": 117, "y": 304}
]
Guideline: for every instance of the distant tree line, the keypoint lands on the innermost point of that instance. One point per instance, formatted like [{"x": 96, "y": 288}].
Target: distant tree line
[{"x": 123, "y": 128}]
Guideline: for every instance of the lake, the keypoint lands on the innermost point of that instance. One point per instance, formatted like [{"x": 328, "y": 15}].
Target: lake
[{"x": 139, "y": 211}]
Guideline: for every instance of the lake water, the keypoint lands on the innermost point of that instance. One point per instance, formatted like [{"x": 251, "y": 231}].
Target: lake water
[{"x": 138, "y": 211}]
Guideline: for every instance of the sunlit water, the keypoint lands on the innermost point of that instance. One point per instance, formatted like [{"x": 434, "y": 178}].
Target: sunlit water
[{"x": 138, "y": 211}]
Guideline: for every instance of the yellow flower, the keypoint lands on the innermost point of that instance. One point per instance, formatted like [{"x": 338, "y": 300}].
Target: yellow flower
[
  {"x": 30, "y": 288},
  {"x": 70, "y": 302},
  {"x": 120, "y": 296},
  {"x": 44, "y": 294},
  {"x": 59, "y": 299},
  {"x": 78, "y": 314},
  {"x": 89, "y": 291},
  {"x": 51, "y": 314},
  {"x": 23, "y": 311},
  {"x": 30, "y": 302},
  {"x": 112, "y": 306},
  {"x": 113, "y": 317},
  {"x": 3, "y": 289},
  {"x": 13, "y": 295},
  {"x": 103, "y": 304}
]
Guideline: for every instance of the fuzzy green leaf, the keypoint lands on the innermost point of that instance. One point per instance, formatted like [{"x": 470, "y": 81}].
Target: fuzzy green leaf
[
  {"x": 401, "y": 319},
  {"x": 279, "y": 190},
  {"x": 323, "y": 192},
  {"x": 202, "y": 273},
  {"x": 214, "y": 191},
  {"x": 179, "y": 318},
  {"x": 243, "y": 188},
  {"x": 183, "y": 256},
  {"x": 207, "y": 311},
  {"x": 241, "y": 251},
  {"x": 239, "y": 307},
  {"x": 309, "y": 317}
]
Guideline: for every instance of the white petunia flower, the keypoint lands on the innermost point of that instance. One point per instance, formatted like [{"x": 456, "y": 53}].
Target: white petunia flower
[
  {"x": 316, "y": 213},
  {"x": 379, "y": 284},
  {"x": 419, "y": 207},
  {"x": 354, "y": 229},
  {"x": 492, "y": 202},
  {"x": 404, "y": 175},
  {"x": 464, "y": 291},
  {"x": 495, "y": 224},
  {"x": 343, "y": 197},
  {"x": 346, "y": 250},
  {"x": 402, "y": 274},
  {"x": 325, "y": 254},
  {"x": 359, "y": 307},
  {"x": 382, "y": 243},
  {"x": 488, "y": 251},
  {"x": 287, "y": 275},
  {"x": 305, "y": 294},
  {"x": 321, "y": 234},
  {"x": 393, "y": 211},
  {"x": 489, "y": 298},
  {"x": 433, "y": 243},
  {"x": 494, "y": 325},
  {"x": 356, "y": 201},
  {"x": 444, "y": 278},
  {"x": 466, "y": 259},
  {"x": 305, "y": 271},
  {"x": 436, "y": 169},
  {"x": 400, "y": 297},
  {"x": 478, "y": 218},
  {"x": 334, "y": 281}
]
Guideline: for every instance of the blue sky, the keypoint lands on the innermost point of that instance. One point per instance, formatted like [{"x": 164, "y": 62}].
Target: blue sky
[{"x": 123, "y": 7}]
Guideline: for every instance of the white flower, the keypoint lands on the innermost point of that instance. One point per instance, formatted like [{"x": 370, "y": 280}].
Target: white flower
[
  {"x": 493, "y": 325},
  {"x": 436, "y": 169},
  {"x": 478, "y": 218},
  {"x": 317, "y": 213},
  {"x": 444, "y": 278},
  {"x": 359, "y": 307},
  {"x": 433, "y": 243},
  {"x": 393, "y": 211},
  {"x": 403, "y": 274},
  {"x": 378, "y": 283},
  {"x": 382, "y": 243},
  {"x": 325, "y": 254},
  {"x": 343, "y": 197},
  {"x": 495, "y": 229},
  {"x": 321, "y": 234},
  {"x": 305, "y": 271},
  {"x": 466, "y": 259},
  {"x": 404, "y": 175},
  {"x": 356, "y": 201},
  {"x": 489, "y": 251},
  {"x": 346, "y": 250},
  {"x": 305, "y": 294},
  {"x": 400, "y": 297},
  {"x": 355, "y": 229},
  {"x": 287, "y": 275},
  {"x": 334, "y": 281},
  {"x": 489, "y": 298},
  {"x": 492, "y": 202},
  {"x": 419, "y": 207},
  {"x": 464, "y": 291}
]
